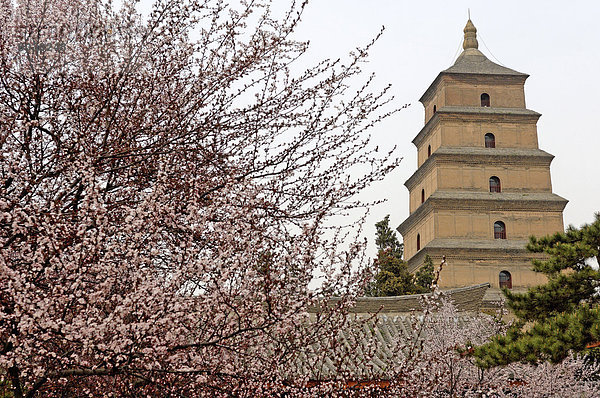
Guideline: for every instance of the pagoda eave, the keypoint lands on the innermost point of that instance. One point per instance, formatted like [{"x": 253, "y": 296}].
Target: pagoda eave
[
  {"x": 475, "y": 250},
  {"x": 485, "y": 201},
  {"x": 475, "y": 114},
  {"x": 475, "y": 155}
]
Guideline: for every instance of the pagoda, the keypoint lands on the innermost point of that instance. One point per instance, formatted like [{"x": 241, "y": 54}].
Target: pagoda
[{"x": 482, "y": 185}]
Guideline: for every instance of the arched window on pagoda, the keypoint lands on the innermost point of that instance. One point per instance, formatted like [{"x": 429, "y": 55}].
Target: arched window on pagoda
[
  {"x": 495, "y": 184},
  {"x": 499, "y": 230},
  {"x": 422, "y": 196},
  {"x": 485, "y": 100},
  {"x": 490, "y": 140},
  {"x": 429, "y": 151},
  {"x": 418, "y": 242},
  {"x": 434, "y": 109},
  {"x": 505, "y": 280}
]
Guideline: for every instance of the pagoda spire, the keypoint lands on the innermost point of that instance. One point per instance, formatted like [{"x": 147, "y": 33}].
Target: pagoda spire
[{"x": 470, "y": 36}]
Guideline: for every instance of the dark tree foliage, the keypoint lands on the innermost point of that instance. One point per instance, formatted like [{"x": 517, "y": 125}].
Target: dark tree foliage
[
  {"x": 386, "y": 238},
  {"x": 424, "y": 275},
  {"x": 561, "y": 316},
  {"x": 393, "y": 277}
]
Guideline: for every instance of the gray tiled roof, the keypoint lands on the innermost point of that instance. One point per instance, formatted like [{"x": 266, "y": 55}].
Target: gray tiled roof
[
  {"x": 465, "y": 299},
  {"x": 473, "y": 61},
  {"x": 468, "y": 244},
  {"x": 498, "y": 196},
  {"x": 487, "y": 110},
  {"x": 479, "y": 151},
  {"x": 373, "y": 346}
]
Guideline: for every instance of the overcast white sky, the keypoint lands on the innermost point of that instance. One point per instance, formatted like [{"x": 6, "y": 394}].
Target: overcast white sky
[{"x": 556, "y": 43}]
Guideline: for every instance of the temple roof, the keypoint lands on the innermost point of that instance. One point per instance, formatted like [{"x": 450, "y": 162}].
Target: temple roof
[
  {"x": 466, "y": 299},
  {"x": 473, "y": 62},
  {"x": 499, "y": 196},
  {"x": 478, "y": 244},
  {"x": 381, "y": 332}
]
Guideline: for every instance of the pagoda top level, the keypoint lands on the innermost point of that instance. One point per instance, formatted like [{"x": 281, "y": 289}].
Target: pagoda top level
[{"x": 473, "y": 62}]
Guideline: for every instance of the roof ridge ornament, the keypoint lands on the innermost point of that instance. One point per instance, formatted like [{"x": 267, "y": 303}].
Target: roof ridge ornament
[{"x": 470, "y": 36}]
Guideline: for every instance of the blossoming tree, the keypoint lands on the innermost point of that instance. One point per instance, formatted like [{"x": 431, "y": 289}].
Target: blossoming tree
[{"x": 166, "y": 187}]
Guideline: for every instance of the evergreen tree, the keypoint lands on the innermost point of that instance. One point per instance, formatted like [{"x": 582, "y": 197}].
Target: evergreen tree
[
  {"x": 424, "y": 275},
  {"x": 386, "y": 238},
  {"x": 563, "y": 315},
  {"x": 393, "y": 277}
]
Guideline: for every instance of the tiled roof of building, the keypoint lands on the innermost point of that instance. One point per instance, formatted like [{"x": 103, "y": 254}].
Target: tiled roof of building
[
  {"x": 478, "y": 244},
  {"x": 475, "y": 62},
  {"x": 464, "y": 298},
  {"x": 498, "y": 196},
  {"x": 479, "y": 151},
  {"x": 392, "y": 331},
  {"x": 487, "y": 110}
]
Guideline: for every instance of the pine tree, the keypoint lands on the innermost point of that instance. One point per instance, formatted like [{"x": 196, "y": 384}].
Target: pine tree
[
  {"x": 393, "y": 277},
  {"x": 561, "y": 316},
  {"x": 386, "y": 238},
  {"x": 424, "y": 275}
]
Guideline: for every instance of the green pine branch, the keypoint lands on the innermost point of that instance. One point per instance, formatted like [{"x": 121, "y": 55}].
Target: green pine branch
[
  {"x": 551, "y": 340},
  {"x": 560, "y": 316},
  {"x": 393, "y": 277}
]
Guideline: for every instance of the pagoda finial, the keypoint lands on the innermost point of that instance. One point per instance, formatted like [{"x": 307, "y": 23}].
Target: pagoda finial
[{"x": 470, "y": 35}]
